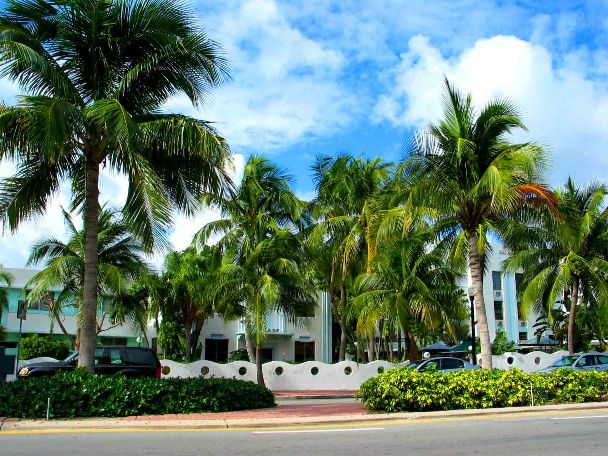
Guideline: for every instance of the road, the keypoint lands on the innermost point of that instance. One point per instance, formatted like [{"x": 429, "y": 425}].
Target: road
[{"x": 547, "y": 433}]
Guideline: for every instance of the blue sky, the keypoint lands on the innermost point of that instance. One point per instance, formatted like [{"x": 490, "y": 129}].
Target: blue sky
[{"x": 321, "y": 77}]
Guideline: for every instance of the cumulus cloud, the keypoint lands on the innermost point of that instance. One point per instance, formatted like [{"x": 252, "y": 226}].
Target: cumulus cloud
[
  {"x": 562, "y": 107},
  {"x": 285, "y": 86}
]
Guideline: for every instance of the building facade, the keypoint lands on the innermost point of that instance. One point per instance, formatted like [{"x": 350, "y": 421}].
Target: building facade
[{"x": 306, "y": 339}]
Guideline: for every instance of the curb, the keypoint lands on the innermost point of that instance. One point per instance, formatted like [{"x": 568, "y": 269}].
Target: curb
[{"x": 121, "y": 425}]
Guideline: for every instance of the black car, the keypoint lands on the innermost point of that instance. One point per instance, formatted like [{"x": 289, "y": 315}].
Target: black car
[{"x": 128, "y": 361}]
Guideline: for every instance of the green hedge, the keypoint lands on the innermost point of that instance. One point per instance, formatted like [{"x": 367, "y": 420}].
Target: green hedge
[
  {"x": 406, "y": 390},
  {"x": 77, "y": 394},
  {"x": 35, "y": 346}
]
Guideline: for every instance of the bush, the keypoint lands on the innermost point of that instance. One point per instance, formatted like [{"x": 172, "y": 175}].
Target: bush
[
  {"x": 238, "y": 355},
  {"x": 77, "y": 394},
  {"x": 35, "y": 346},
  {"x": 406, "y": 390}
]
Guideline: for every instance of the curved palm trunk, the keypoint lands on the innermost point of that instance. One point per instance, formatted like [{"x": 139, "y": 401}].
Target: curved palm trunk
[
  {"x": 88, "y": 330},
  {"x": 480, "y": 306},
  {"x": 412, "y": 346},
  {"x": 188, "y": 341},
  {"x": 258, "y": 365},
  {"x": 249, "y": 345},
  {"x": 371, "y": 351},
  {"x": 572, "y": 317}
]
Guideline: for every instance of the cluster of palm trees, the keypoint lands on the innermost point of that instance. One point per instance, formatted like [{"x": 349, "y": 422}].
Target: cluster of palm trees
[{"x": 386, "y": 241}]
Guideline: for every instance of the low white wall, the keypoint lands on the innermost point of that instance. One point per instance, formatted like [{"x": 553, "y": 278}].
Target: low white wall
[
  {"x": 278, "y": 375},
  {"x": 529, "y": 362}
]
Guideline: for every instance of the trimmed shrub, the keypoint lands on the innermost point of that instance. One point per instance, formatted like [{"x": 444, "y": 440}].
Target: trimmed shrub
[
  {"x": 406, "y": 390},
  {"x": 35, "y": 346},
  {"x": 77, "y": 394}
]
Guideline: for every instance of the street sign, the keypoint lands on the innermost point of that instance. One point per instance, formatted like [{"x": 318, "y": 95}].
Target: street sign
[{"x": 22, "y": 310}]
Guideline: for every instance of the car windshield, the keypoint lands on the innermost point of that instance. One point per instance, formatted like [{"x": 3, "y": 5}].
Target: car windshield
[
  {"x": 565, "y": 361},
  {"x": 71, "y": 358}
]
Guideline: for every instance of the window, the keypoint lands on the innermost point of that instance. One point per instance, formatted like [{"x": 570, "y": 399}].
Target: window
[
  {"x": 496, "y": 282},
  {"x": 39, "y": 305},
  {"x": 498, "y": 314},
  {"x": 523, "y": 335},
  {"x": 304, "y": 351},
  {"x": 108, "y": 356},
  {"x": 267, "y": 354},
  {"x": 451, "y": 363},
  {"x": 586, "y": 361},
  {"x": 113, "y": 341},
  {"x": 140, "y": 357},
  {"x": 216, "y": 350},
  {"x": 433, "y": 364},
  {"x": 602, "y": 359}
]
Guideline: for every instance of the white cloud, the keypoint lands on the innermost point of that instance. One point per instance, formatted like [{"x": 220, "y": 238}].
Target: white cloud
[
  {"x": 284, "y": 84},
  {"x": 561, "y": 106}
]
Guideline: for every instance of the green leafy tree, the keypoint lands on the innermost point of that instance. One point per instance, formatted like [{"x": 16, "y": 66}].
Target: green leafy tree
[
  {"x": 120, "y": 263},
  {"x": 347, "y": 207},
  {"x": 6, "y": 279},
  {"x": 263, "y": 264},
  {"x": 411, "y": 288},
  {"x": 566, "y": 257},
  {"x": 95, "y": 76},
  {"x": 182, "y": 298},
  {"x": 467, "y": 176}
]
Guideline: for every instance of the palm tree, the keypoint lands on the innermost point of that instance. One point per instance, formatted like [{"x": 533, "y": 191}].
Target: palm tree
[
  {"x": 96, "y": 75},
  {"x": 467, "y": 176},
  {"x": 7, "y": 279},
  {"x": 120, "y": 263},
  {"x": 182, "y": 296},
  {"x": 257, "y": 233},
  {"x": 269, "y": 279},
  {"x": 347, "y": 208},
  {"x": 564, "y": 257},
  {"x": 411, "y": 288}
]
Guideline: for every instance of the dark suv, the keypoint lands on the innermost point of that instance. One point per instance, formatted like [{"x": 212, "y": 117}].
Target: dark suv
[{"x": 128, "y": 361}]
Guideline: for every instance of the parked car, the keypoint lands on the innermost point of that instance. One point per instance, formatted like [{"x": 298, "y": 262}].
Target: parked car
[
  {"x": 443, "y": 364},
  {"x": 580, "y": 361},
  {"x": 128, "y": 361}
]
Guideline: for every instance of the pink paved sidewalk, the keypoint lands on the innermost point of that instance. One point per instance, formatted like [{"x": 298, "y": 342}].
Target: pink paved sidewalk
[
  {"x": 312, "y": 394},
  {"x": 281, "y": 411}
]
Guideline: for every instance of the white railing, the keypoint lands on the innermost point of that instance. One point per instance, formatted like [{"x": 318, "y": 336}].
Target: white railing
[{"x": 276, "y": 323}]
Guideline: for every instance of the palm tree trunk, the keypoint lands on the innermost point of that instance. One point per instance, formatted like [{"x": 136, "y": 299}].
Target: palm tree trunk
[
  {"x": 371, "y": 351},
  {"x": 258, "y": 365},
  {"x": 342, "y": 320},
  {"x": 188, "y": 340},
  {"x": 249, "y": 345},
  {"x": 88, "y": 333},
  {"x": 572, "y": 318},
  {"x": 480, "y": 306},
  {"x": 412, "y": 347}
]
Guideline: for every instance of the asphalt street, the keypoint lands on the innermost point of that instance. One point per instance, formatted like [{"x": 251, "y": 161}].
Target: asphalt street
[{"x": 554, "y": 434}]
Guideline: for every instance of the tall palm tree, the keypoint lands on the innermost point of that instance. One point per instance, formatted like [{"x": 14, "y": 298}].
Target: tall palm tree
[
  {"x": 120, "y": 263},
  {"x": 96, "y": 75},
  {"x": 564, "y": 257},
  {"x": 269, "y": 279},
  {"x": 347, "y": 208},
  {"x": 257, "y": 234},
  {"x": 466, "y": 175},
  {"x": 411, "y": 288}
]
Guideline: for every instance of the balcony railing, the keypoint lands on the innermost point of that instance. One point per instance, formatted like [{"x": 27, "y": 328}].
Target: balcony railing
[
  {"x": 497, "y": 294},
  {"x": 276, "y": 323}
]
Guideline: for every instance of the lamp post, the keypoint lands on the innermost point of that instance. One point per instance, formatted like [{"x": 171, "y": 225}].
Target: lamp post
[{"x": 473, "y": 340}]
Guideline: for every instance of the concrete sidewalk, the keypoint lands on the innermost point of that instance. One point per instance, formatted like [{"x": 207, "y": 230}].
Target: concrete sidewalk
[{"x": 283, "y": 415}]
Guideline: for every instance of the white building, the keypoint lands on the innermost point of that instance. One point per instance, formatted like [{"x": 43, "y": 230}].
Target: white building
[{"x": 309, "y": 338}]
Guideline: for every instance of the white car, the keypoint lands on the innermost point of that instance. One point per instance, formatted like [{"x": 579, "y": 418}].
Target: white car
[{"x": 580, "y": 361}]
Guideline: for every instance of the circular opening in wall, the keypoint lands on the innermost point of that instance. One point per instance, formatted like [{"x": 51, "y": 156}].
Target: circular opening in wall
[
  {"x": 205, "y": 370},
  {"x": 381, "y": 369},
  {"x": 348, "y": 370},
  {"x": 510, "y": 360},
  {"x": 314, "y": 370},
  {"x": 537, "y": 360},
  {"x": 278, "y": 370},
  {"x": 166, "y": 370},
  {"x": 242, "y": 370}
]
